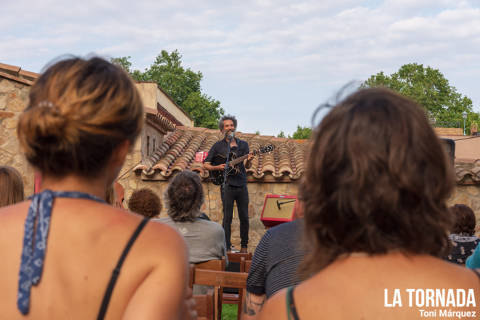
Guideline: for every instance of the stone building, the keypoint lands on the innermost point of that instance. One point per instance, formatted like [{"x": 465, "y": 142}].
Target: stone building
[
  {"x": 14, "y": 89},
  {"x": 169, "y": 143}
]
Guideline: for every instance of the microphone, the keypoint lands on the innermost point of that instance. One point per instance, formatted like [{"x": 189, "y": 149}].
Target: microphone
[{"x": 278, "y": 205}]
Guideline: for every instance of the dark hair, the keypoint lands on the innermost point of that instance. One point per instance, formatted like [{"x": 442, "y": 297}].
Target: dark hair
[
  {"x": 227, "y": 117},
  {"x": 11, "y": 186},
  {"x": 464, "y": 220},
  {"x": 184, "y": 196},
  {"x": 377, "y": 178},
  {"x": 79, "y": 112},
  {"x": 145, "y": 202}
]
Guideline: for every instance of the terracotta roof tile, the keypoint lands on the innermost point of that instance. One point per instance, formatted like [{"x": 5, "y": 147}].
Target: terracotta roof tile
[
  {"x": 178, "y": 151},
  {"x": 17, "y": 74},
  {"x": 468, "y": 172}
]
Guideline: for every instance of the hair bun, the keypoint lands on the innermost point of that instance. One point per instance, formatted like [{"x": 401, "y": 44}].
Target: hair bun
[{"x": 48, "y": 126}]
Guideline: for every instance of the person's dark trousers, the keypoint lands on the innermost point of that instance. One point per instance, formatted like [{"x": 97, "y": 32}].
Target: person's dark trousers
[{"x": 240, "y": 195}]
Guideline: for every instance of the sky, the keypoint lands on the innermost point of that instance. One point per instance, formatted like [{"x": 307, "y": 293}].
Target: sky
[{"x": 269, "y": 62}]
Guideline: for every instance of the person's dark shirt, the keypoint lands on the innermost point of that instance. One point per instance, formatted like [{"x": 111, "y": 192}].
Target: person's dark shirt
[
  {"x": 463, "y": 246},
  {"x": 218, "y": 155},
  {"x": 276, "y": 259}
]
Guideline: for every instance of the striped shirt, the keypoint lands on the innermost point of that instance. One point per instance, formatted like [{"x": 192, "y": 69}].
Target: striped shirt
[{"x": 276, "y": 259}]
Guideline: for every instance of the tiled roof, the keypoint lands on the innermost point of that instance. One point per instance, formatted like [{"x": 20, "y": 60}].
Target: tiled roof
[
  {"x": 158, "y": 121},
  {"x": 177, "y": 153},
  {"x": 17, "y": 74},
  {"x": 467, "y": 172},
  {"x": 164, "y": 112},
  {"x": 286, "y": 163}
]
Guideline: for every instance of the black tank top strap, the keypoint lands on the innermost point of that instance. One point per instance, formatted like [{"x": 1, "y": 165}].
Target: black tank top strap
[
  {"x": 116, "y": 271},
  {"x": 291, "y": 309},
  {"x": 477, "y": 272}
]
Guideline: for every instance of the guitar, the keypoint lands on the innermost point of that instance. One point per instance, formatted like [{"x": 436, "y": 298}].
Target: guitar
[{"x": 217, "y": 176}]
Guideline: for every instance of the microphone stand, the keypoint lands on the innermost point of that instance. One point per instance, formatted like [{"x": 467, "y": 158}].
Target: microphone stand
[
  {"x": 224, "y": 184},
  {"x": 229, "y": 140}
]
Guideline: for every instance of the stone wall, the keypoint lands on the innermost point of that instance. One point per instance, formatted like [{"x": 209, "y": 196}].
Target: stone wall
[
  {"x": 213, "y": 203},
  {"x": 13, "y": 100}
]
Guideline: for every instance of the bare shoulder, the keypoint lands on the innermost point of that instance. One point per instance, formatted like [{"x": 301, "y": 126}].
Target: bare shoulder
[
  {"x": 162, "y": 240},
  {"x": 275, "y": 307}
]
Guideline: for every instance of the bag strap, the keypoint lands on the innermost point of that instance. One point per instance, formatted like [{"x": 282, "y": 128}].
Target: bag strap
[{"x": 291, "y": 309}]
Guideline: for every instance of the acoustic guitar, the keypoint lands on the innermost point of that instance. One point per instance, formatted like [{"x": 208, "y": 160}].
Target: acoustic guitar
[{"x": 218, "y": 176}]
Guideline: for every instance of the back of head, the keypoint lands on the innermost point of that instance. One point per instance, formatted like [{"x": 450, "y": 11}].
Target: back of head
[
  {"x": 11, "y": 186},
  {"x": 184, "y": 196},
  {"x": 79, "y": 111},
  {"x": 464, "y": 220},
  {"x": 145, "y": 202},
  {"x": 377, "y": 178}
]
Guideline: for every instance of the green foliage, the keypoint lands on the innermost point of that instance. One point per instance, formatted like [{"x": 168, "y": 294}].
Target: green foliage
[
  {"x": 123, "y": 62},
  {"x": 281, "y": 134},
  {"x": 182, "y": 85},
  {"x": 257, "y": 133},
  {"x": 429, "y": 88},
  {"x": 203, "y": 109},
  {"x": 302, "y": 133}
]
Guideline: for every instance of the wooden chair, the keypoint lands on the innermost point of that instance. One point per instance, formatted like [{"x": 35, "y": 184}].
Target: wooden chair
[
  {"x": 236, "y": 298},
  {"x": 217, "y": 265},
  {"x": 205, "y": 305},
  {"x": 236, "y": 256},
  {"x": 219, "y": 279}
]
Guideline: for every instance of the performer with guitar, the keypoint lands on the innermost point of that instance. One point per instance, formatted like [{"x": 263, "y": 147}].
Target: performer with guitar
[{"x": 234, "y": 186}]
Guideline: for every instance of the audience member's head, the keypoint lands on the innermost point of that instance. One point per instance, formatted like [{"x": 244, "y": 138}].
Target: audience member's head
[
  {"x": 464, "y": 220},
  {"x": 377, "y": 178},
  {"x": 79, "y": 112},
  {"x": 145, "y": 202},
  {"x": 184, "y": 196},
  {"x": 11, "y": 186},
  {"x": 119, "y": 195},
  {"x": 110, "y": 195}
]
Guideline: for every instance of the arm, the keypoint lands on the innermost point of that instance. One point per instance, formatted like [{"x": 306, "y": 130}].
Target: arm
[
  {"x": 252, "y": 306},
  {"x": 255, "y": 296},
  {"x": 210, "y": 167},
  {"x": 207, "y": 164}
]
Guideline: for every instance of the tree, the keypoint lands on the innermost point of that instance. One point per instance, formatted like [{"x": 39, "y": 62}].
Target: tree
[
  {"x": 123, "y": 62},
  {"x": 281, "y": 134},
  {"x": 429, "y": 88},
  {"x": 302, "y": 133},
  {"x": 182, "y": 85},
  {"x": 205, "y": 111}
]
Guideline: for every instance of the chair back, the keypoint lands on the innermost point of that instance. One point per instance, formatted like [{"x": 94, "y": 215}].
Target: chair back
[
  {"x": 217, "y": 265},
  {"x": 220, "y": 279},
  {"x": 205, "y": 305},
  {"x": 236, "y": 256}
]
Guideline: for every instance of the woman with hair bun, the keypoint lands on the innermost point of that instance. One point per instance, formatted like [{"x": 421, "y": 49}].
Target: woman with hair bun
[
  {"x": 376, "y": 219},
  {"x": 66, "y": 253},
  {"x": 11, "y": 186}
]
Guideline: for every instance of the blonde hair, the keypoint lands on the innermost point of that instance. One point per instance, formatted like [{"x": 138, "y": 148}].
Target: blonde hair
[
  {"x": 11, "y": 186},
  {"x": 79, "y": 111}
]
